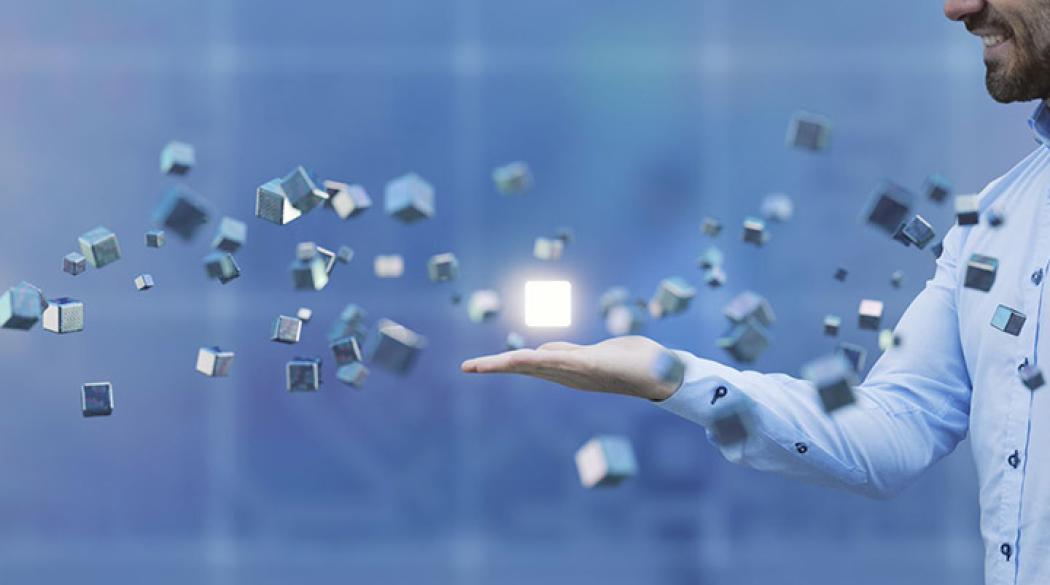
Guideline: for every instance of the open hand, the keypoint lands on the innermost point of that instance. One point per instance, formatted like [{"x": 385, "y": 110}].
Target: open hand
[{"x": 621, "y": 365}]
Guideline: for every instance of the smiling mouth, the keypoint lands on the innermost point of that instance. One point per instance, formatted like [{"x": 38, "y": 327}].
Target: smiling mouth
[{"x": 994, "y": 40}]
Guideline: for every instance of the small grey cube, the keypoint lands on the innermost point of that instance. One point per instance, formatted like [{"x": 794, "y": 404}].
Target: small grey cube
[
  {"x": 1008, "y": 320},
  {"x": 21, "y": 306},
  {"x": 144, "y": 282},
  {"x": 394, "y": 346},
  {"x": 626, "y": 319},
  {"x": 749, "y": 305},
  {"x": 512, "y": 178},
  {"x": 896, "y": 279},
  {"x": 346, "y": 200},
  {"x": 834, "y": 379},
  {"x": 605, "y": 461},
  {"x": 755, "y": 231},
  {"x": 309, "y": 274},
  {"x": 74, "y": 263},
  {"x": 182, "y": 211},
  {"x": 443, "y": 267},
  {"x": 155, "y": 239},
  {"x": 937, "y": 188},
  {"x": 809, "y": 131},
  {"x": 777, "y": 207},
  {"x": 303, "y": 375},
  {"x": 841, "y": 274},
  {"x": 352, "y": 374},
  {"x": 870, "y": 314},
  {"x": 286, "y": 329},
  {"x": 711, "y": 258},
  {"x": 409, "y": 198},
  {"x": 64, "y": 315},
  {"x": 1031, "y": 376},
  {"x": 231, "y": 235},
  {"x": 177, "y": 158},
  {"x": 715, "y": 277},
  {"x": 888, "y": 207},
  {"x": 832, "y": 324},
  {"x": 672, "y": 297},
  {"x": 272, "y": 205},
  {"x": 514, "y": 341},
  {"x": 548, "y": 249},
  {"x": 968, "y": 209},
  {"x": 711, "y": 226},
  {"x": 214, "y": 362},
  {"x": 96, "y": 399},
  {"x": 745, "y": 341},
  {"x": 100, "y": 247},
  {"x": 304, "y": 314},
  {"x": 303, "y": 189},
  {"x": 346, "y": 350},
  {"x": 351, "y": 322},
  {"x": 222, "y": 266},
  {"x": 345, "y": 254},
  {"x": 918, "y": 231},
  {"x": 980, "y": 272}
]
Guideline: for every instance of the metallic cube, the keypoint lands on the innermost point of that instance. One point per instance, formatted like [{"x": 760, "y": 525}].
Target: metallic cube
[
  {"x": 937, "y": 188},
  {"x": 918, "y": 231},
  {"x": 513, "y": 177},
  {"x": 344, "y": 255},
  {"x": 711, "y": 258},
  {"x": 303, "y": 375},
  {"x": 870, "y": 314},
  {"x": 711, "y": 226},
  {"x": 605, "y": 461},
  {"x": 968, "y": 209},
  {"x": 100, "y": 247},
  {"x": 514, "y": 341},
  {"x": 834, "y": 379},
  {"x": 980, "y": 272},
  {"x": 809, "y": 131},
  {"x": 221, "y": 265},
  {"x": 1008, "y": 320},
  {"x": 715, "y": 277},
  {"x": 231, "y": 235},
  {"x": 177, "y": 158},
  {"x": 841, "y": 274},
  {"x": 548, "y": 249},
  {"x": 309, "y": 274},
  {"x": 182, "y": 211},
  {"x": 346, "y": 350},
  {"x": 214, "y": 362},
  {"x": 483, "y": 305},
  {"x": 303, "y": 190},
  {"x": 745, "y": 341},
  {"x": 144, "y": 282},
  {"x": 304, "y": 314},
  {"x": 672, "y": 296},
  {"x": 21, "y": 306},
  {"x": 755, "y": 231},
  {"x": 155, "y": 238},
  {"x": 626, "y": 319},
  {"x": 749, "y": 305},
  {"x": 64, "y": 315},
  {"x": 346, "y": 200},
  {"x": 995, "y": 217},
  {"x": 856, "y": 355},
  {"x": 96, "y": 399},
  {"x": 888, "y": 340},
  {"x": 777, "y": 207},
  {"x": 352, "y": 374},
  {"x": 1031, "y": 376},
  {"x": 896, "y": 279},
  {"x": 273, "y": 205},
  {"x": 409, "y": 198},
  {"x": 832, "y": 324},
  {"x": 389, "y": 266},
  {"x": 74, "y": 263},
  {"x": 888, "y": 207},
  {"x": 286, "y": 329},
  {"x": 351, "y": 321},
  {"x": 613, "y": 297},
  {"x": 443, "y": 267},
  {"x": 394, "y": 347}
]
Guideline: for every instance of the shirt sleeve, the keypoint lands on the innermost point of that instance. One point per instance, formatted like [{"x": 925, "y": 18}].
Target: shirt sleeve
[{"x": 910, "y": 411}]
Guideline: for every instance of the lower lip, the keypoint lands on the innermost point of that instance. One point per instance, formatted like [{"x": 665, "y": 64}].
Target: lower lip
[{"x": 996, "y": 50}]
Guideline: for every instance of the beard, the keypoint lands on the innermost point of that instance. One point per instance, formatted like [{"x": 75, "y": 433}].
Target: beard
[{"x": 1024, "y": 74}]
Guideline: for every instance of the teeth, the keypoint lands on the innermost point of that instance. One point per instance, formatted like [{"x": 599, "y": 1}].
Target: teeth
[{"x": 993, "y": 40}]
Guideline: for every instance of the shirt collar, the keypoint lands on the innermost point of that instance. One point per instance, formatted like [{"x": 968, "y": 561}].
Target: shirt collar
[{"x": 1040, "y": 122}]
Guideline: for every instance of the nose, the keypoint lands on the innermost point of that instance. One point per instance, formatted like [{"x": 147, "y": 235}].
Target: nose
[{"x": 960, "y": 9}]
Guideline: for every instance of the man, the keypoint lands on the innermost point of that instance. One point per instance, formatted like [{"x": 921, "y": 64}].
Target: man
[{"x": 956, "y": 371}]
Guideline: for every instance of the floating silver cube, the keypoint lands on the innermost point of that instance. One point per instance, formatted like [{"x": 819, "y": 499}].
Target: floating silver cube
[
  {"x": 711, "y": 226},
  {"x": 155, "y": 239},
  {"x": 64, "y": 315},
  {"x": 749, "y": 305},
  {"x": 968, "y": 209},
  {"x": 715, "y": 277},
  {"x": 346, "y": 350},
  {"x": 777, "y": 207},
  {"x": 809, "y": 131},
  {"x": 177, "y": 158},
  {"x": 309, "y": 274},
  {"x": 144, "y": 282},
  {"x": 394, "y": 347},
  {"x": 841, "y": 274},
  {"x": 896, "y": 279},
  {"x": 548, "y": 249},
  {"x": 512, "y": 178},
  {"x": 514, "y": 341},
  {"x": 389, "y": 266},
  {"x": 74, "y": 263},
  {"x": 221, "y": 266},
  {"x": 273, "y": 205},
  {"x": 755, "y": 232},
  {"x": 711, "y": 258},
  {"x": 304, "y": 314},
  {"x": 870, "y": 314},
  {"x": 626, "y": 319},
  {"x": 409, "y": 198},
  {"x": 917, "y": 231},
  {"x": 214, "y": 362},
  {"x": 286, "y": 329},
  {"x": 995, "y": 217},
  {"x": 96, "y": 399},
  {"x": 605, "y": 461},
  {"x": 672, "y": 296},
  {"x": 834, "y": 379},
  {"x": 182, "y": 211},
  {"x": 303, "y": 375},
  {"x": 346, "y": 200},
  {"x": 231, "y": 236},
  {"x": 443, "y": 267},
  {"x": 351, "y": 321},
  {"x": 888, "y": 340},
  {"x": 832, "y": 324},
  {"x": 856, "y": 355},
  {"x": 937, "y": 188},
  {"x": 1031, "y": 377},
  {"x": 100, "y": 247},
  {"x": 888, "y": 207},
  {"x": 344, "y": 255},
  {"x": 483, "y": 305},
  {"x": 21, "y": 306},
  {"x": 613, "y": 297},
  {"x": 980, "y": 272},
  {"x": 745, "y": 341},
  {"x": 352, "y": 374},
  {"x": 1008, "y": 320},
  {"x": 303, "y": 190}
]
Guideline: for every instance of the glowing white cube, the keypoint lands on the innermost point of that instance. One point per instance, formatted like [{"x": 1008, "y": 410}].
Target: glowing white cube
[{"x": 548, "y": 303}]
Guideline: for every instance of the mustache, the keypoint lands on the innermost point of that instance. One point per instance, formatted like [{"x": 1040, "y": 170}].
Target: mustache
[{"x": 986, "y": 19}]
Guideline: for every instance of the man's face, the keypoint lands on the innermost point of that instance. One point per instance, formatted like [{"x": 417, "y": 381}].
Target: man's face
[{"x": 1016, "y": 37}]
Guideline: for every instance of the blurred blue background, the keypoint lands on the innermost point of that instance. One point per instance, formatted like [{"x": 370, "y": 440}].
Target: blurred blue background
[{"x": 638, "y": 119}]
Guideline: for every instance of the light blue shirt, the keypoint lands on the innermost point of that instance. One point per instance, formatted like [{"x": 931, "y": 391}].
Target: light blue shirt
[{"x": 953, "y": 372}]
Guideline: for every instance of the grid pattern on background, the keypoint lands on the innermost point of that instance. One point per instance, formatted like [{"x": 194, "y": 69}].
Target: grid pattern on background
[{"x": 637, "y": 121}]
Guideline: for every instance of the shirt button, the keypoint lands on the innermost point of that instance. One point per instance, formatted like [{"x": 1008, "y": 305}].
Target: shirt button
[
  {"x": 1037, "y": 277},
  {"x": 1006, "y": 549},
  {"x": 801, "y": 447},
  {"x": 1014, "y": 459}
]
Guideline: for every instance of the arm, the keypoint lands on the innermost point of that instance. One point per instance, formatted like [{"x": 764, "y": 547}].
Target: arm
[{"x": 912, "y": 409}]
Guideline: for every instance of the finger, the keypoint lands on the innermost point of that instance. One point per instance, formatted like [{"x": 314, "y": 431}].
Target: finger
[
  {"x": 555, "y": 345},
  {"x": 520, "y": 361},
  {"x": 488, "y": 364}
]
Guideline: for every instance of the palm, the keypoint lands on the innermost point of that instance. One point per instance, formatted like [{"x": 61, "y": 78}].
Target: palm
[{"x": 621, "y": 365}]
